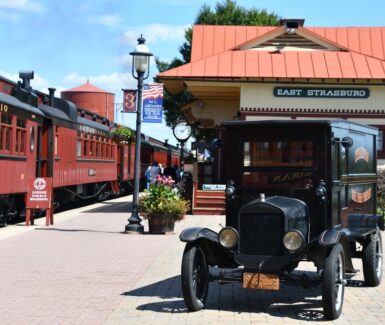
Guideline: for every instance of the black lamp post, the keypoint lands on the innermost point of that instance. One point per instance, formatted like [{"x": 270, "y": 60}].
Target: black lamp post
[{"x": 140, "y": 71}]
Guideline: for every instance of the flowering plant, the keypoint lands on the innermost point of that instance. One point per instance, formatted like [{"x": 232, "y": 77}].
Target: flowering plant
[{"x": 163, "y": 198}]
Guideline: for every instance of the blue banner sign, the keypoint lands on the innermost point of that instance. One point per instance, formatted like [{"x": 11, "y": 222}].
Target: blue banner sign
[{"x": 152, "y": 103}]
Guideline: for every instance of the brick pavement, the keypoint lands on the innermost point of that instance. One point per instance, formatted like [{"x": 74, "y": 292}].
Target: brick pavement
[{"x": 84, "y": 270}]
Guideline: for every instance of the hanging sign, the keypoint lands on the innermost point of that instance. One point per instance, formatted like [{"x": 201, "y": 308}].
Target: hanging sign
[
  {"x": 129, "y": 101},
  {"x": 352, "y": 93},
  {"x": 152, "y": 103}
]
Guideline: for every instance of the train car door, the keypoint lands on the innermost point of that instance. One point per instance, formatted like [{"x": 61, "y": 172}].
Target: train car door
[{"x": 45, "y": 149}]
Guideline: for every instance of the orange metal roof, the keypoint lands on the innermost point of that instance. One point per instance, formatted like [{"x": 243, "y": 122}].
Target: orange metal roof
[
  {"x": 86, "y": 88},
  {"x": 215, "y": 54}
]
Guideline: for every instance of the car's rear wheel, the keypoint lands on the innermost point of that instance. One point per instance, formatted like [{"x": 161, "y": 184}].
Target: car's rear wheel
[
  {"x": 372, "y": 259},
  {"x": 333, "y": 283},
  {"x": 195, "y": 277}
]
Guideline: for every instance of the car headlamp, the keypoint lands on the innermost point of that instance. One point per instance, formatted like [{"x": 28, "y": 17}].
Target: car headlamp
[
  {"x": 228, "y": 237},
  {"x": 230, "y": 191},
  {"x": 293, "y": 240}
]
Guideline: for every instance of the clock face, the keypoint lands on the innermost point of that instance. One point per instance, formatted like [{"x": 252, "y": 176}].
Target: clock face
[{"x": 182, "y": 131}]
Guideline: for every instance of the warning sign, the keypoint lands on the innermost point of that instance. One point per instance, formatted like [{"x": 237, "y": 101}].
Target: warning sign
[{"x": 39, "y": 193}]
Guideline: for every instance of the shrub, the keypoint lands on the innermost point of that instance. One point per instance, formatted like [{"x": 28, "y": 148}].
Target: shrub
[{"x": 162, "y": 198}]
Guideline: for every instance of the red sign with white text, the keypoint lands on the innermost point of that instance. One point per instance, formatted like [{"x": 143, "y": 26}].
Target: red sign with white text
[{"x": 39, "y": 193}]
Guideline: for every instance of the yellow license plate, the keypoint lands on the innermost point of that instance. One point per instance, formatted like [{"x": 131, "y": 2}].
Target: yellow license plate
[{"x": 260, "y": 281}]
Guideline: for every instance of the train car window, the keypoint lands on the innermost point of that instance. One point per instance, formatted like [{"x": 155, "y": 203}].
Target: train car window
[
  {"x": 21, "y": 137},
  {"x": 103, "y": 148},
  {"x": 92, "y": 144},
  {"x": 97, "y": 151},
  {"x": 6, "y": 119},
  {"x": 79, "y": 145},
  {"x": 6, "y": 132},
  {"x": 32, "y": 139},
  {"x": 85, "y": 147},
  {"x": 79, "y": 148},
  {"x": 20, "y": 122},
  {"x": 56, "y": 144}
]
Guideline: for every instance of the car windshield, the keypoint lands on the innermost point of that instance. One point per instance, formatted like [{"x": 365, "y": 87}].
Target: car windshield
[{"x": 278, "y": 164}]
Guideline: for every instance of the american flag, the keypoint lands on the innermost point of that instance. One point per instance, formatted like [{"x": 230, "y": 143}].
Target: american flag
[{"x": 153, "y": 91}]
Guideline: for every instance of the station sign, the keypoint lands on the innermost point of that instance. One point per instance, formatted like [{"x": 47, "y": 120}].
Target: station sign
[
  {"x": 213, "y": 187},
  {"x": 351, "y": 93},
  {"x": 39, "y": 193}
]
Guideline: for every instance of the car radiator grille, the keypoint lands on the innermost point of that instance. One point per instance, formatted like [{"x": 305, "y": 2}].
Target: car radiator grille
[{"x": 261, "y": 234}]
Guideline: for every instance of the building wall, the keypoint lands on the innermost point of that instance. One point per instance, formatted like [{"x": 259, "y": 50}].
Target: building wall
[
  {"x": 218, "y": 110},
  {"x": 260, "y": 95}
]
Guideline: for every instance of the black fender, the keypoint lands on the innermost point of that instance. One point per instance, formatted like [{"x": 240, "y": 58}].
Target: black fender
[
  {"x": 192, "y": 234},
  {"x": 329, "y": 238},
  {"x": 215, "y": 253}
]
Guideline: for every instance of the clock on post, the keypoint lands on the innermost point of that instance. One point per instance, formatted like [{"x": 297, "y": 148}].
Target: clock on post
[{"x": 182, "y": 132}]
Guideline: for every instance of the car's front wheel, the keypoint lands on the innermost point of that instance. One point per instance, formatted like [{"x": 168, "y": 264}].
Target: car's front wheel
[
  {"x": 333, "y": 283},
  {"x": 195, "y": 277},
  {"x": 372, "y": 259}
]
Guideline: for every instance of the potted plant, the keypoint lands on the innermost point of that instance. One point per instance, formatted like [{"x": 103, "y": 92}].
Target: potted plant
[
  {"x": 123, "y": 135},
  {"x": 162, "y": 205}
]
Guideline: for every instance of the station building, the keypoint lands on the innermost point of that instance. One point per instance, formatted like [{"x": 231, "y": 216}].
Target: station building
[{"x": 289, "y": 71}]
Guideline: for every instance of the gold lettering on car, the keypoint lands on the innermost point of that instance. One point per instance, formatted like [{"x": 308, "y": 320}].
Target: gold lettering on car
[
  {"x": 361, "y": 153},
  {"x": 3, "y": 107}
]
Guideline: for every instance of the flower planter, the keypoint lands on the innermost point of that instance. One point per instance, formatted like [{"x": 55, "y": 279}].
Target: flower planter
[{"x": 161, "y": 223}]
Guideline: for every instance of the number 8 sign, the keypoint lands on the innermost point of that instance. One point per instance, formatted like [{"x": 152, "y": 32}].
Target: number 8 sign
[{"x": 129, "y": 101}]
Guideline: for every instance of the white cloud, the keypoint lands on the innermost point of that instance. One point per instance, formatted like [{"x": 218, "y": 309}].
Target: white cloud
[
  {"x": 22, "y": 5},
  {"x": 106, "y": 20},
  {"x": 113, "y": 82},
  {"x": 125, "y": 61},
  {"x": 154, "y": 33}
]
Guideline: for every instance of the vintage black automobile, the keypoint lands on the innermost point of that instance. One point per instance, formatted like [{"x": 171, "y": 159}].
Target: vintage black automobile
[{"x": 296, "y": 191}]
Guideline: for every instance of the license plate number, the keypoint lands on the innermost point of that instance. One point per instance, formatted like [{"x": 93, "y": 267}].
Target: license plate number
[{"x": 260, "y": 281}]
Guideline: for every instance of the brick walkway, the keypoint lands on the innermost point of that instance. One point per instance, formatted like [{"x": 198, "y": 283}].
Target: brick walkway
[{"x": 84, "y": 270}]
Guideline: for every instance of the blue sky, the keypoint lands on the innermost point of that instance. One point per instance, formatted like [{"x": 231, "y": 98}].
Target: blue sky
[{"x": 67, "y": 42}]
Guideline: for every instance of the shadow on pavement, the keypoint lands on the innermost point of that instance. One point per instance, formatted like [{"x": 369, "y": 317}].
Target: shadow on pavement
[
  {"x": 111, "y": 207},
  {"x": 80, "y": 230},
  {"x": 293, "y": 301}
]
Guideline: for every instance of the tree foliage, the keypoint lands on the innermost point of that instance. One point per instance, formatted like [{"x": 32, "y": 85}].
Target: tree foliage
[{"x": 226, "y": 12}]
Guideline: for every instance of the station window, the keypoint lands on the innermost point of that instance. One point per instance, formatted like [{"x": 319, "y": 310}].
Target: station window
[{"x": 380, "y": 141}]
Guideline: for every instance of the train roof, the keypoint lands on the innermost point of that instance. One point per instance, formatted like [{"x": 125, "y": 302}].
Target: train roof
[
  {"x": 23, "y": 107},
  {"x": 93, "y": 124},
  {"x": 54, "y": 112}
]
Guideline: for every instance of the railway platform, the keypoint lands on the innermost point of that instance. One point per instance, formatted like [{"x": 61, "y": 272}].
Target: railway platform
[{"x": 85, "y": 270}]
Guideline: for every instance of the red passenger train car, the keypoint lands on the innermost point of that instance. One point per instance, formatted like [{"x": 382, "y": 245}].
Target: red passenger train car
[{"x": 45, "y": 136}]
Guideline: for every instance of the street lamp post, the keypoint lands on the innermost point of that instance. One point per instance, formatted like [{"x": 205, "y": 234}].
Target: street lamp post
[{"x": 140, "y": 71}]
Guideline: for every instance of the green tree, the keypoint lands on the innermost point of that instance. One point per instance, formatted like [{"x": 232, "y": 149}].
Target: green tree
[{"x": 226, "y": 12}]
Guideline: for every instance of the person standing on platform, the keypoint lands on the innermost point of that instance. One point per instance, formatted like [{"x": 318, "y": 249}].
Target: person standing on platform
[
  {"x": 170, "y": 172},
  {"x": 154, "y": 172}
]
